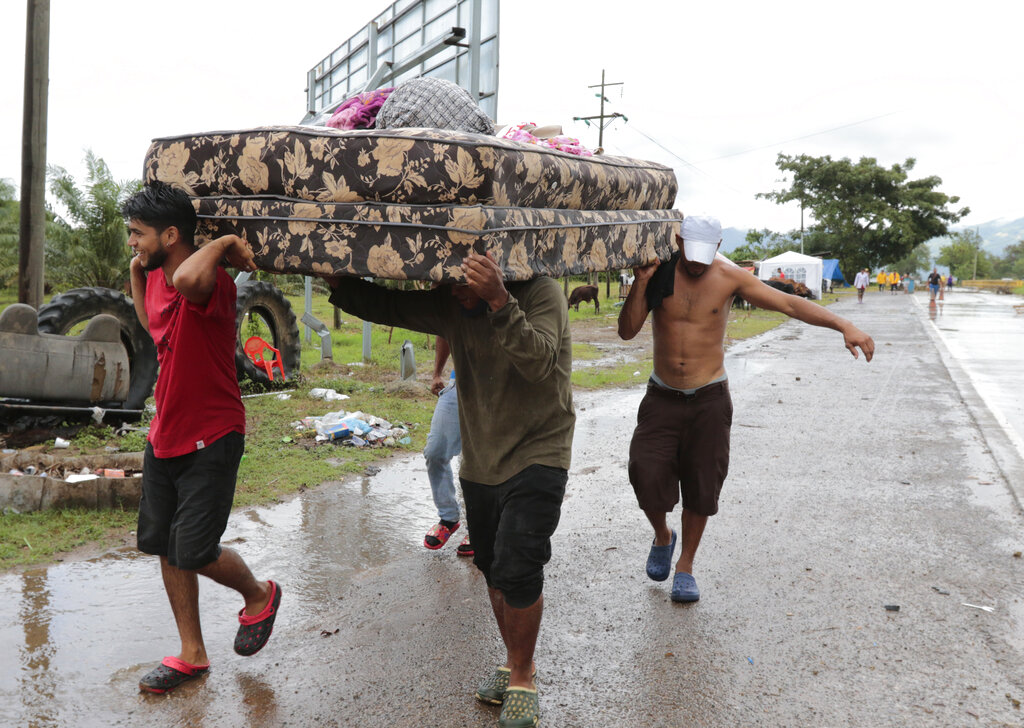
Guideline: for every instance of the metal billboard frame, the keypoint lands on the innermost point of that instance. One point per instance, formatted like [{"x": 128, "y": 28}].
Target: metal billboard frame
[{"x": 452, "y": 39}]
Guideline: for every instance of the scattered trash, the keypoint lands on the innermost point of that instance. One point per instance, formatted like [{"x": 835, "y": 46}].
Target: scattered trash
[
  {"x": 750, "y": 660},
  {"x": 329, "y": 395},
  {"x": 337, "y": 431},
  {"x": 636, "y": 374},
  {"x": 286, "y": 439},
  {"x": 1016, "y": 554},
  {"x": 258, "y": 394},
  {"x": 904, "y": 482},
  {"x": 328, "y": 633},
  {"x": 892, "y": 607},
  {"x": 941, "y": 591},
  {"x": 405, "y": 441},
  {"x": 976, "y": 606},
  {"x": 30, "y": 470},
  {"x": 284, "y": 395},
  {"x": 80, "y": 477},
  {"x": 372, "y": 470},
  {"x": 111, "y": 472},
  {"x": 8, "y": 451},
  {"x": 1016, "y": 703},
  {"x": 357, "y": 441},
  {"x": 61, "y": 443}
]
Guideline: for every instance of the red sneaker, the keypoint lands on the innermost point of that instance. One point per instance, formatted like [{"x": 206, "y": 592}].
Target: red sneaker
[{"x": 438, "y": 536}]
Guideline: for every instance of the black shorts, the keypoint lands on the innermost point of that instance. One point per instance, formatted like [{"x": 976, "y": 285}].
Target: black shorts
[
  {"x": 681, "y": 444},
  {"x": 186, "y": 501},
  {"x": 510, "y": 525}
]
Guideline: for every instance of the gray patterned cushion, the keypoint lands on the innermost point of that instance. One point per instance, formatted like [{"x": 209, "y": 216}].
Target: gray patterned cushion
[{"x": 433, "y": 103}]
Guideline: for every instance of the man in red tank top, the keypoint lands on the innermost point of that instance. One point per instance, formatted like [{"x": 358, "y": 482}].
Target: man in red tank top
[{"x": 187, "y": 303}]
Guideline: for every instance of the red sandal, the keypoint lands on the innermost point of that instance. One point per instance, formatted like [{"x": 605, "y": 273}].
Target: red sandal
[
  {"x": 254, "y": 631},
  {"x": 438, "y": 536},
  {"x": 169, "y": 674},
  {"x": 465, "y": 548}
]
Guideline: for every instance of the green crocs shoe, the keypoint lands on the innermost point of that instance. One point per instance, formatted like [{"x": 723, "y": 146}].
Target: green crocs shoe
[
  {"x": 492, "y": 690},
  {"x": 521, "y": 709}
]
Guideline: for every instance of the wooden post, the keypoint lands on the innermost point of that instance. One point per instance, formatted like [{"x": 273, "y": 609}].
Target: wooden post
[{"x": 32, "y": 232}]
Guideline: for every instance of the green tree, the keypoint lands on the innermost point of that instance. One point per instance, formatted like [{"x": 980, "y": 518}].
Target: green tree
[
  {"x": 761, "y": 244},
  {"x": 1011, "y": 265},
  {"x": 963, "y": 254},
  {"x": 94, "y": 252},
  {"x": 917, "y": 261},
  {"x": 9, "y": 234},
  {"x": 872, "y": 216}
]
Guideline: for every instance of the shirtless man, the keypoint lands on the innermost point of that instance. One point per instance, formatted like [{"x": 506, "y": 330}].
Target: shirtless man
[{"x": 681, "y": 441}]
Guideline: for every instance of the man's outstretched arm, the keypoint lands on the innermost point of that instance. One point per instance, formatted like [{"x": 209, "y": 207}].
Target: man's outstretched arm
[{"x": 764, "y": 296}]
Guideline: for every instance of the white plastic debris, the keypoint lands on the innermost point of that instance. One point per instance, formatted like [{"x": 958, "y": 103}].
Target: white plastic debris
[
  {"x": 60, "y": 442},
  {"x": 328, "y": 395}
]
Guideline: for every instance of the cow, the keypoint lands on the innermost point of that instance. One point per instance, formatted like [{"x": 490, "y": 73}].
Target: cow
[{"x": 584, "y": 293}]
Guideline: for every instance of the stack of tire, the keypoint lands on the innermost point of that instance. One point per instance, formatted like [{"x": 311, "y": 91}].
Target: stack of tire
[{"x": 67, "y": 310}]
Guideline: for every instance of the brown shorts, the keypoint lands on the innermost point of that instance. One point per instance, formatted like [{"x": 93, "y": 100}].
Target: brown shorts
[{"x": 681, "y": 444}]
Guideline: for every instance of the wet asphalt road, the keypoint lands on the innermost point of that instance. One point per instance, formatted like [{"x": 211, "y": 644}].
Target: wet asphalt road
[{"x": 852, "y": 486}]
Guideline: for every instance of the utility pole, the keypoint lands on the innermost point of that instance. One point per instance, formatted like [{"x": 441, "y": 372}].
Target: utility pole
[
  {"x": 32, "y": 233},
  {"x": 600, "y": 140},
  {"x": 602, "y": 116},
  {"x": 977, "y": 245}
]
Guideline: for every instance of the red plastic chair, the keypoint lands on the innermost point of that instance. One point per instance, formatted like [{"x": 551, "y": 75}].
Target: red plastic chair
[{"x": 255, "y": 348}]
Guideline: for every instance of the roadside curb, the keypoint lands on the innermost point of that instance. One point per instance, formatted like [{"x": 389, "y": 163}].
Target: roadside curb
[{"x": 1004, "y": 452}]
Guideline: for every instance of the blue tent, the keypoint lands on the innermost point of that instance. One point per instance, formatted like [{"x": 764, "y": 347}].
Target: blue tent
[{"x": 830, "y": 271}]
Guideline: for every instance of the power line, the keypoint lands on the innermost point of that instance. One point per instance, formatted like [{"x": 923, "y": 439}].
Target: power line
[
  {"x": 687, "y": 163},
  {"x": 796, "y": 139}
]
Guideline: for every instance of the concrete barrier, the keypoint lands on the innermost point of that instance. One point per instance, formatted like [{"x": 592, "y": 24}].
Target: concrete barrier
[{"x": 27, "y": 493}]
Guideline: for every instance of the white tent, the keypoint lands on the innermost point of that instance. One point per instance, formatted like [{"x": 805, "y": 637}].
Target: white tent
[{"x": 805, "y": 269}]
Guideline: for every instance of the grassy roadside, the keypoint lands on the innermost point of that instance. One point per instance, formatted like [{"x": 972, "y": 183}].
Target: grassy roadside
[{"x": 281, "y": 461}]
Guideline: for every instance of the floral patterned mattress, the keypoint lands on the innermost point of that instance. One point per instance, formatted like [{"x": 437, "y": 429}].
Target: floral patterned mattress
[{"x": 409, "y": 203}]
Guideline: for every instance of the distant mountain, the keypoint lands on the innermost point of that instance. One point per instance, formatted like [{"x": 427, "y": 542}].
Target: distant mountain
[
  {"x": 732, "y": 238},
  {"x": 997, "y": 234}
]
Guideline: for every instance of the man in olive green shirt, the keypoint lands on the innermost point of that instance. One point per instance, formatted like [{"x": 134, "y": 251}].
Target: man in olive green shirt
[{"x": 510, "y": 344}]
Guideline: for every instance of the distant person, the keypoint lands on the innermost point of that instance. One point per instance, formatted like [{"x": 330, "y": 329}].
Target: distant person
[
  {"x": 909, "y": 280},
  {"x": 881, "y": 280},
  {"x": 187, "y": 303},
  {"x": 860, "y": 282},
  {"x": 934, "y": 282},
  {"x": 681, "y": 441},
  {"x": 443, "y": 443},
  {"x": 779, "y": 274},
  {"x": 949, "y": 282},
  {"x": 894, "y": 282}
]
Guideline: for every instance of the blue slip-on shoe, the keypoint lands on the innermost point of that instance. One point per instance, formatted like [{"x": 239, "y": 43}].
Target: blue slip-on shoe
[
  {"x": 659, "y": 561},
  {"x": 684, "y": 588}
]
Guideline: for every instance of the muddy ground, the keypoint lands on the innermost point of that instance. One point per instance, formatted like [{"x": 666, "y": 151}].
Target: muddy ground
[{"x": 853, "y": 487}]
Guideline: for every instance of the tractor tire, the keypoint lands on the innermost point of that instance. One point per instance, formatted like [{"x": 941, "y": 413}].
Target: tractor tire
[
  {"x": 270, "y": 305},
  {"x": 66, "y": 310}
]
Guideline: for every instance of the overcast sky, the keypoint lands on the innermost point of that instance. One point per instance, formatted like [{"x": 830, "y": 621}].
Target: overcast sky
[{"x": 714, "y": 89}]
